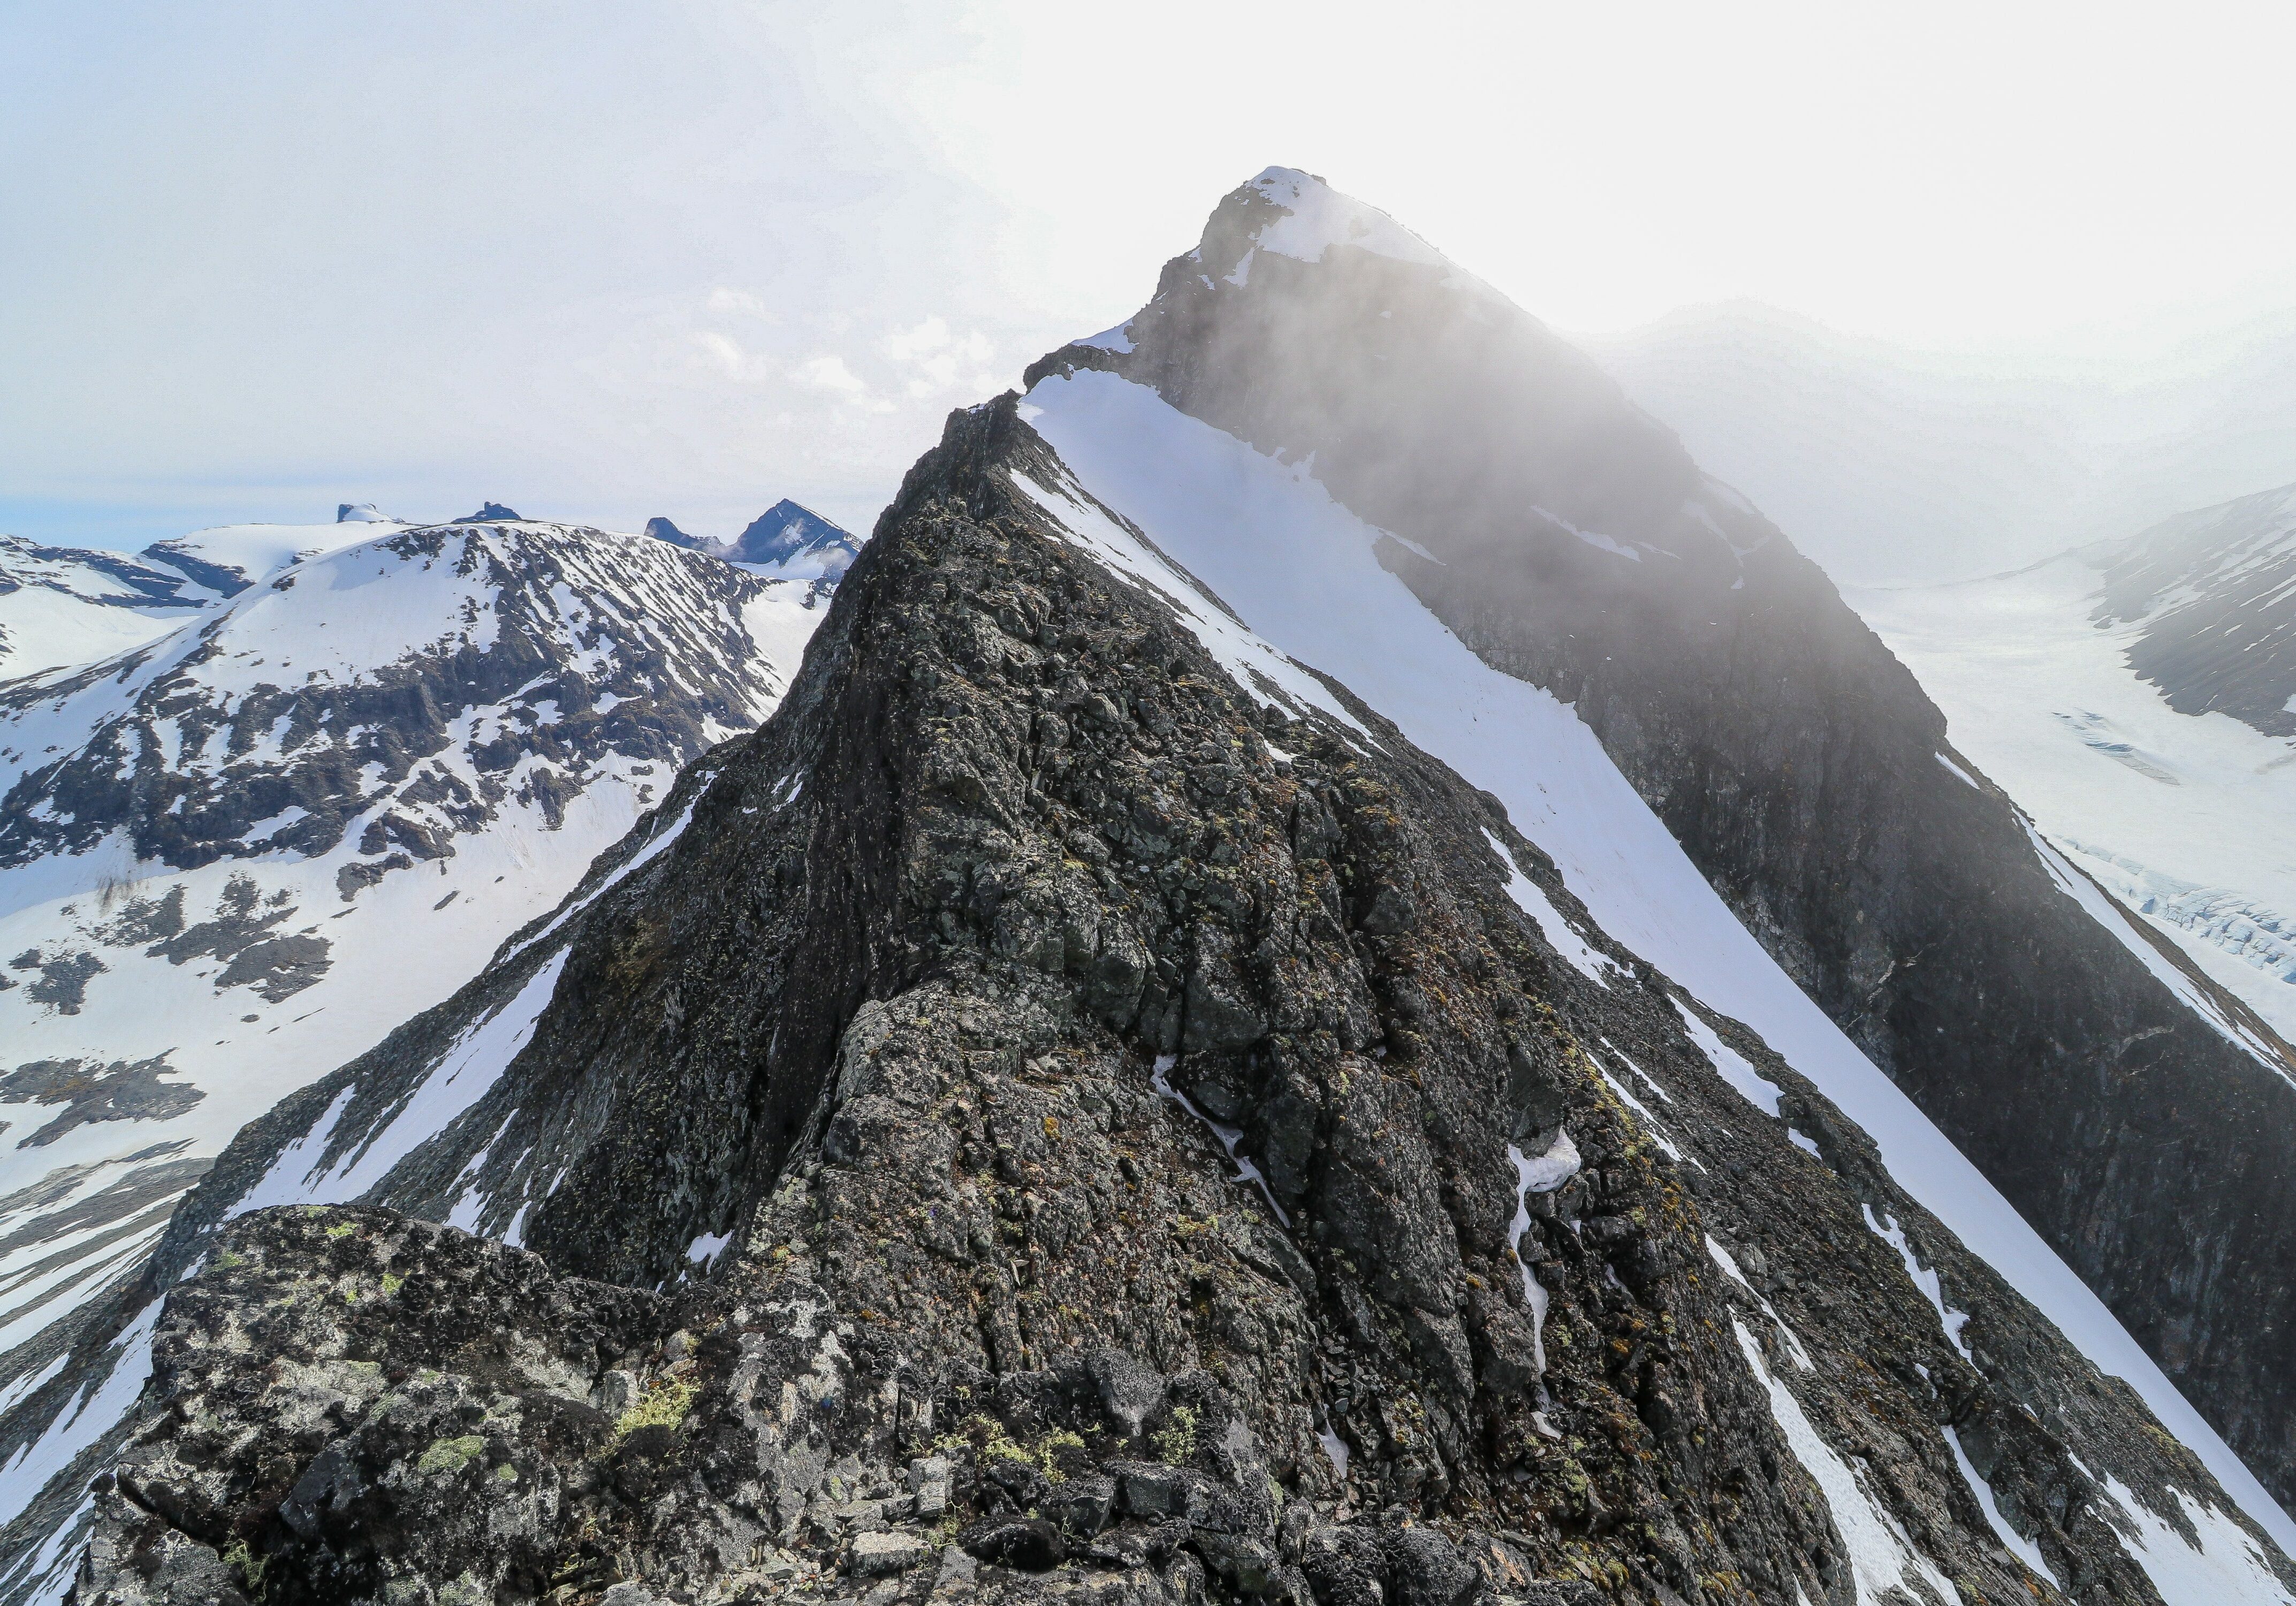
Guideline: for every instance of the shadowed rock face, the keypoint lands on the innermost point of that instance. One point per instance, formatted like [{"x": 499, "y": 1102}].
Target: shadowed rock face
[
  {"x": 2212, "y": 592},
  {"x": 788, "y": 531},
  {"x": 1569, "y": 540},
  {"x": 915, "y": 1072}
]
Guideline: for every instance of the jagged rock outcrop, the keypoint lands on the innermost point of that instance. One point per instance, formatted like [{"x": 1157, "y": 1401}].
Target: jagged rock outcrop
[
  {"x": 1569, "y": 540},
  {"x": 1096, "y": 1124}
]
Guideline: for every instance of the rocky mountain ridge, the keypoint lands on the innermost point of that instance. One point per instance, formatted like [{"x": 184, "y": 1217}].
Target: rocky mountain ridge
[
  {"x": 1168, "y": 1070},
  {"x": 899, "y": 1053},
  {"x": 2126, "y": 1103}
]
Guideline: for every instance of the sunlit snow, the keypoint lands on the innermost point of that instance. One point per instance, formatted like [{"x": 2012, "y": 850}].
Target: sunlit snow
[{"x": 1302, "y": 573}]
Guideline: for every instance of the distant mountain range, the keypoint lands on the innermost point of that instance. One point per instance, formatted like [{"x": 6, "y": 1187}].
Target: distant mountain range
[
  {"x": 70, "y": 604},
  {"x": 1893, "y": 467}
]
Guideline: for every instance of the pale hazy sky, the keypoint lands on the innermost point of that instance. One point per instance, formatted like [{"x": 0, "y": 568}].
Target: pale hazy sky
[{"x": 604, "y": 260}]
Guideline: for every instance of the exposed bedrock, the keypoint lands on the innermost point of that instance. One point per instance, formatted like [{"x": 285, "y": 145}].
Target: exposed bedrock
[{"x": 896, "y": 1110}]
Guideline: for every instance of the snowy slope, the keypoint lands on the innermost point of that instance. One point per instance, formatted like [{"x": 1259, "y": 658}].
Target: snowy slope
[
  {"x": 63, "y": 604},
  {"x": 227, "y": 559},
  {"x": 237, "y": 857},
  {"x": 2186, "y": 816},
  {"x": 1302, "y": 573}
]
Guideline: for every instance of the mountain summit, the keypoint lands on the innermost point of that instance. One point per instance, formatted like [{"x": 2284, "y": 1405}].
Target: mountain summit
[
  {"x": 1175, "y": 1069},
  {"x": 663, "y": 530},
  {"x": 1568, "y": 540},
  {"x": 795, "y": 540}
]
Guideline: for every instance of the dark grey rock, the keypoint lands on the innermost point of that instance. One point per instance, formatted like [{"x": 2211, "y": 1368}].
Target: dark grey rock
[
  {"x": 1129, "y": 1392},
  {"x": 1795, "y": 760},
  {"x": 1020, "y": 1541},
  {"x": 91, "y": 1091},
  {"x": 826, "y": 949}
]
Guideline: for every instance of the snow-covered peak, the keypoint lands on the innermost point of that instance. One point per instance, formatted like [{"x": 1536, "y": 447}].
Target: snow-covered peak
[
  {"x": 1316, "y": 217},
  {"x": 226, "y": 560},
  {"x": 1309, "y": 323},
  {"x": 359, "y": 513},
  {"x": 790, "y": 542}
]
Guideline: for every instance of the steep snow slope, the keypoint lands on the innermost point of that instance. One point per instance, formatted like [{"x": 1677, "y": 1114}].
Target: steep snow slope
[
  {"x": 2128, "y": 1107},
  {"x": 233, "y": 858},
  {"x": 2185, "y": 817},
  {"x": 63, "y": 605},
  {"x": 1304, "y": 574}
]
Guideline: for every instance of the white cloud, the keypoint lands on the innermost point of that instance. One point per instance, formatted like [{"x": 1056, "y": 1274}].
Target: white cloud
[
  {"x": 723, "y": 351},
  {"x": 904, "y": 345},
  {"x": 937, "y": 359},
  {"x": 831, "y": 374},
  {"x": 726, "y": 300}
]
